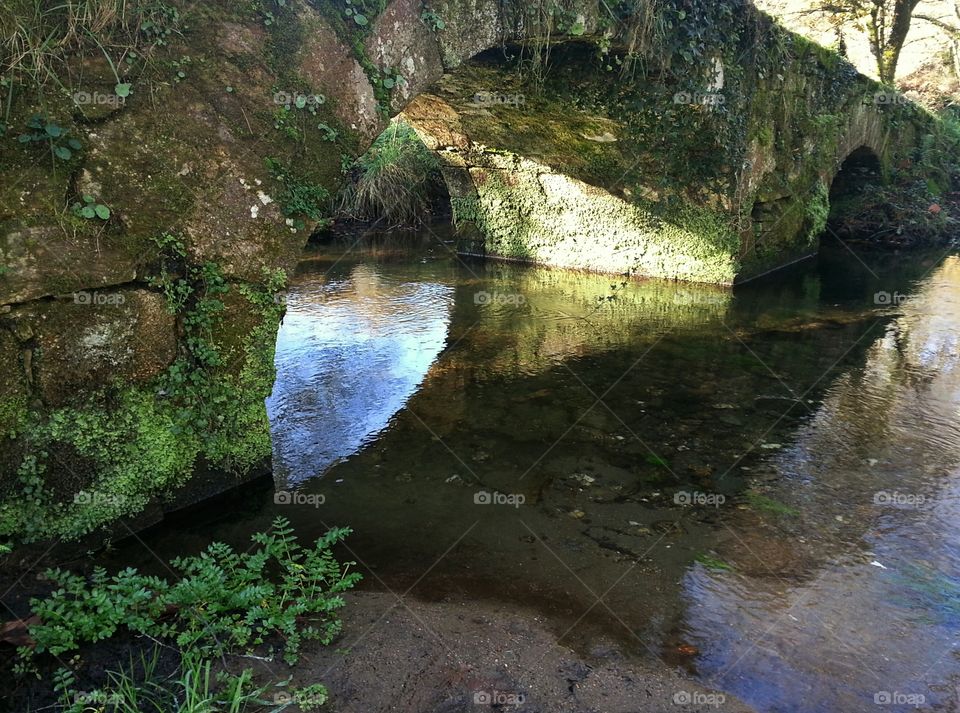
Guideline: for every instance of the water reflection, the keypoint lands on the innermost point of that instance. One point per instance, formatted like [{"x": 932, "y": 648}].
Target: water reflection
[
  {"x": 350, "y": 352},
  {"x": 874, "y": 479},
  {"x": 417, "y": 383}
]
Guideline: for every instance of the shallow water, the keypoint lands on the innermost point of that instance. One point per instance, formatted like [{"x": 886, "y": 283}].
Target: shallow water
[{"x": 760, "y": 487}]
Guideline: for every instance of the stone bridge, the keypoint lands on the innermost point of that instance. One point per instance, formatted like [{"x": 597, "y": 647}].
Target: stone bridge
[
  {"x": 677, "y": 139},
  {"x": 560, "y": 172}
]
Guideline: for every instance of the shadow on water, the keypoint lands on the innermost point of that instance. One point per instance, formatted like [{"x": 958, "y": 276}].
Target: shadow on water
[{"x": 758, "y": 486}]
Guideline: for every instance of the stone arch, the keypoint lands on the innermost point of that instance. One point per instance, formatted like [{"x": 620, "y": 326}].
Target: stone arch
[
  {"x": 861, "y": 166},
  {"x": 401, "y": 39}
]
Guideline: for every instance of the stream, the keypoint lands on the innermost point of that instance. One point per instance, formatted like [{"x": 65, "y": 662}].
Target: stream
[{"x": 759, "y": 487}]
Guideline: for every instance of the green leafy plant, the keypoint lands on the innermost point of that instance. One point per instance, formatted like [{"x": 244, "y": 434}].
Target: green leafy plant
[
  {"x": 285, "y": 121},
  {"x": 290, "y": 118},
  {"x": 355, "y": 14},
  {"x": 389, "y": 78},
  {"x": 432, "y": 20},
  {"x": 48, "y": 132},
  {"x": 222, "y": 602},
  {"x": 90, "y": 209},
  {"x": 299, "y": 196},
  {"x": 181, "y": 66},
  {"x": 159, "y": 23},
  {"x": 176, "y": 290},
  {"x": 329, "y": 133}
]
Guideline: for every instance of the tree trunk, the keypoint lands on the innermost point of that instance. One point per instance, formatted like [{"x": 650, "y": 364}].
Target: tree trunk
[{"x": 890, "y": 56}]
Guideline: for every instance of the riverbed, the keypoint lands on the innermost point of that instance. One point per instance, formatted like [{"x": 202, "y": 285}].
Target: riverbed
[{"x": 754, "y": 489}]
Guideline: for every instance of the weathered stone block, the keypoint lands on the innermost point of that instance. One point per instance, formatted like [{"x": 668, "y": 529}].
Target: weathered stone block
[
  {"x": 94, "y": 339},
  {"x": 41, "y": 262}
]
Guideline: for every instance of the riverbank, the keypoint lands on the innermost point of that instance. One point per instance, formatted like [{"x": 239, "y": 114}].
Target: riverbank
[{"x": 461, "y": 655}]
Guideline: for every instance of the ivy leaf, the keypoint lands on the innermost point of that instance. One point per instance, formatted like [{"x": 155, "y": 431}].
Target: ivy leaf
[
  {"x": 122, "y": 90},
  {"x": 74, "y": 144},
  {"x": 301, "y": 101},
  {"x": 88, "y": 212},
  {"x": 53, "y": 130},
  {"x": 389, "y": 83},
  {"x": 102, "y": 212},
  {"x": 360, "y": 19},
  {"x": 578, "y": 29},
  {"x": 63, "y": 153}
]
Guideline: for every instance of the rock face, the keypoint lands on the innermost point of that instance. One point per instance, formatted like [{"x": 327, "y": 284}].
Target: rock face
[
  {"x": 94, "y": 339},
  {"x": 209, "y": 175}
]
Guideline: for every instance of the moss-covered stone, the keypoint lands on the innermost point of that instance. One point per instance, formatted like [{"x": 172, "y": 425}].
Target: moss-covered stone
[{"x": 116, "y": 449}]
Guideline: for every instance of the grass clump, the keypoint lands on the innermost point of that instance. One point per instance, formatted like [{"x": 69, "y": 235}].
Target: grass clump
[
  {"x": 395, "y": 182},
  {"x": 765, "y": 504},
  {"x": 37, "y": 37}
]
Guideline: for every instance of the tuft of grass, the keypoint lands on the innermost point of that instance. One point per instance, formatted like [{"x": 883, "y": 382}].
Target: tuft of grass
[
  {"x": 395, "y": 181},
  {"x": 762, "y": 502},
  {"x": 139, "y": 687},
  {"x": 711, "y": 562},
  {"x": 37, "y": 36}
]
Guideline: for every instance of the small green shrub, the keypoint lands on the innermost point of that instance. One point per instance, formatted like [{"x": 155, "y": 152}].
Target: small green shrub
[
  {"x": 432, "y": 20},
  {"x": 299, "y": 197},
  {"x": 90, "y": 209},
  {"x": 222, "y": 602},
  {"x": 46, "y": 132}
]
